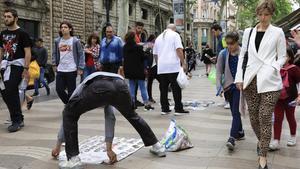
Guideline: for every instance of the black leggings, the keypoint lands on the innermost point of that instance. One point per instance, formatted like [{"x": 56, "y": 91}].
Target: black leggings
[{"x": 152, "y": 75}]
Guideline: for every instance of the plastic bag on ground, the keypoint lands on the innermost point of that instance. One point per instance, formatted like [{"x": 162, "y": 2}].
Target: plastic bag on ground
[{"x": 176, "y": 138}]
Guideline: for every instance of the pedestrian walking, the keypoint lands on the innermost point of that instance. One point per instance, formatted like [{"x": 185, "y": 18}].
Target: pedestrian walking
[
  {"x": 68, "y": 60},
  {"x": 41, "y": 58},
  {"x": 168, "y": 51},
  {"x": 139, "y": 28},
  {"x": 190, "y": 54},
  {"x": 206, "y": 57},
  {"x": 220, "y": 45},
  {"x": 261, "y": 80},
  {"x": 226, "y": 71},
  {"x": 15, "y": 54},
  {"x": 91, "y": 50},
  {"x": 100, "y": 89},
  {"x": 290, "y": 75},
  {"x": 111, "y": 54},
  {"x": 151, "y": 65}
]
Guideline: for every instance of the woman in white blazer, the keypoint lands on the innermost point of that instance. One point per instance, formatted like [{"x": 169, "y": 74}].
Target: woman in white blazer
[{"x": 262, "y": 81}]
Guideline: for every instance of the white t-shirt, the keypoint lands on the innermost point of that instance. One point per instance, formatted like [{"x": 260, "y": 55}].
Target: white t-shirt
[
  {"x": 66, "y": 61},
  {"x": 165, "y": 48}
]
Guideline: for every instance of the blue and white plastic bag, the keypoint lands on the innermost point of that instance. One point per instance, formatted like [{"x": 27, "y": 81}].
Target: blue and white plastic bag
[{"x": 176, "y": 138}]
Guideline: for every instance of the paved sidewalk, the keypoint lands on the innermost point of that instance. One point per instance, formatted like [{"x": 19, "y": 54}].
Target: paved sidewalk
[{"x": 30, "y": 148}]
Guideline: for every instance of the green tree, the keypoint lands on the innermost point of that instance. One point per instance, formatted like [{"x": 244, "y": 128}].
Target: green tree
[{"x": 246, "y": 15}]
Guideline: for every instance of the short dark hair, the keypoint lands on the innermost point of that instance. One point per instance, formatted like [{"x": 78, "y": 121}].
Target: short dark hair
[
  {"x": 216, "y": 27},
  {"x": 69, "y": 25},
  {"x": 233, "y": 35},
  {"x": 139, "y": 24},
  {"x": 95, "y": 36},
  {"x": 12, "y": 11},
  {"x": 39, "y": 40}
]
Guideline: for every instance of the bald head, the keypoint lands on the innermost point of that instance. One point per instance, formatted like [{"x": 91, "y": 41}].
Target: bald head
[{"x": 172, "y": 27}]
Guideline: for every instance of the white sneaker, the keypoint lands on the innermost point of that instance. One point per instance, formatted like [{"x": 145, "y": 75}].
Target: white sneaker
[
  {"x": 274, "y": 145},
  {"x": 292, "y": 141},
  {"x": 73, "y": 163},
  {"x": 227, "y": 106},
  {"x": 159, "y": 151},
  {"x": 165, "y": 112}
]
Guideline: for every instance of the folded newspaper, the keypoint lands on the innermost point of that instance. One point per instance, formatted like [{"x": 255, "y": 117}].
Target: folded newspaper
[{"x": 93, "y": 150}]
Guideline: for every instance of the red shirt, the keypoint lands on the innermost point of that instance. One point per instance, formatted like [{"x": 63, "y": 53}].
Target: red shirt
[{"x": 137, "y": 38}]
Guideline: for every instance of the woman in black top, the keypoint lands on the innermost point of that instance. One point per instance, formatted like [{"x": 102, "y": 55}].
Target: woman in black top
[
  {"x": 207, "y": 55},
  {"x": 135, "y": 68}
]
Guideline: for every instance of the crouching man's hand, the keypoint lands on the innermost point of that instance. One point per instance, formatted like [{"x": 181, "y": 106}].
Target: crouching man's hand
[{"x": 112, "y": 156}]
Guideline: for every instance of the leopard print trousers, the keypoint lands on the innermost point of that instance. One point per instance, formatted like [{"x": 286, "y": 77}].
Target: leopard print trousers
[{"x": 261, "y": 106}]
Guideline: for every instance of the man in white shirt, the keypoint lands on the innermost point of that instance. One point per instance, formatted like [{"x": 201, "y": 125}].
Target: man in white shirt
[{"x": 168, "y": 52}]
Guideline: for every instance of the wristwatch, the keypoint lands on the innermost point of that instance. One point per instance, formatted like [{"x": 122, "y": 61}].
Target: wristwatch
[{"x": 26, "y": 68}]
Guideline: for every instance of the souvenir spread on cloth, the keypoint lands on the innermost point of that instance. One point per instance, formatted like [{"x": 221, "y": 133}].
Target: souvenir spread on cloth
[{"x": 93, "y": 150}]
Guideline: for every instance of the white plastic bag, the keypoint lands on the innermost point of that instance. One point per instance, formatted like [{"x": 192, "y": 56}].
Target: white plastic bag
[
  {"x": 176, "y": 138},
  {"x": 182, "y": 79}
]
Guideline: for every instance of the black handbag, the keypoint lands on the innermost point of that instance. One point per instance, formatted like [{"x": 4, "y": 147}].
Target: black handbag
[{"x": 245, "y": 61}]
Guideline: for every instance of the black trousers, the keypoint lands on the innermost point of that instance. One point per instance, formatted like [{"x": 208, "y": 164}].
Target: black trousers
[
  {"x": 65, "y": 80},
  {"x": 10, "y": 94},
  {"x": 164, "y": 81},
  {"x": 152, "y": 75},
  {"x": 101, "y": 92}
]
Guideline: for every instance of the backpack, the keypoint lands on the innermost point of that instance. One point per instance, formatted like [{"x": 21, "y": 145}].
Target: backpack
[{"x": 285, "y": 81}]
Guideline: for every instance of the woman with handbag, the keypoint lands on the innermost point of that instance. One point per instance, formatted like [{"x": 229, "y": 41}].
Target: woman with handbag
[{"x": 262, "y": 56}]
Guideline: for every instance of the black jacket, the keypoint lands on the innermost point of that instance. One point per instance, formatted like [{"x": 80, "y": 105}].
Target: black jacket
[{"x": 134, "y": 61}]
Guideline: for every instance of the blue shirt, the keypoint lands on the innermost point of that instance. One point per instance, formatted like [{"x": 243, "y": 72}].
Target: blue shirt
[
  {"x": 219, "y": 43},
  {"x": 111, "y": 52},
  {"x": 233, "y": 62}
]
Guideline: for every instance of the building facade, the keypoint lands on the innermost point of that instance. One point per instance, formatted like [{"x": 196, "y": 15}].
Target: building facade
[
  {"x": 41, "y": 18},
  {"x": 205, "y": 15},
  {"x": 155, "y": 14}
]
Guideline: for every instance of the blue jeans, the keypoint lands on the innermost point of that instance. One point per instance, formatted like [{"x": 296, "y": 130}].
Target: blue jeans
[
  {"x": 233, "y": 97},
  {"x": 142, "y": 86},
  {"x": 88, "y": 70},
  {"x": 41, "y": 79}
]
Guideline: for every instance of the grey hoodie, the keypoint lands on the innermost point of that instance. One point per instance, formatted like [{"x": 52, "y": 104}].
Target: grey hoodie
[{"x": 78, "y": 53}]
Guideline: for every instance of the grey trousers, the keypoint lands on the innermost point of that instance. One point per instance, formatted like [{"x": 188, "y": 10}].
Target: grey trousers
[{"x": 110, "y": 121}]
